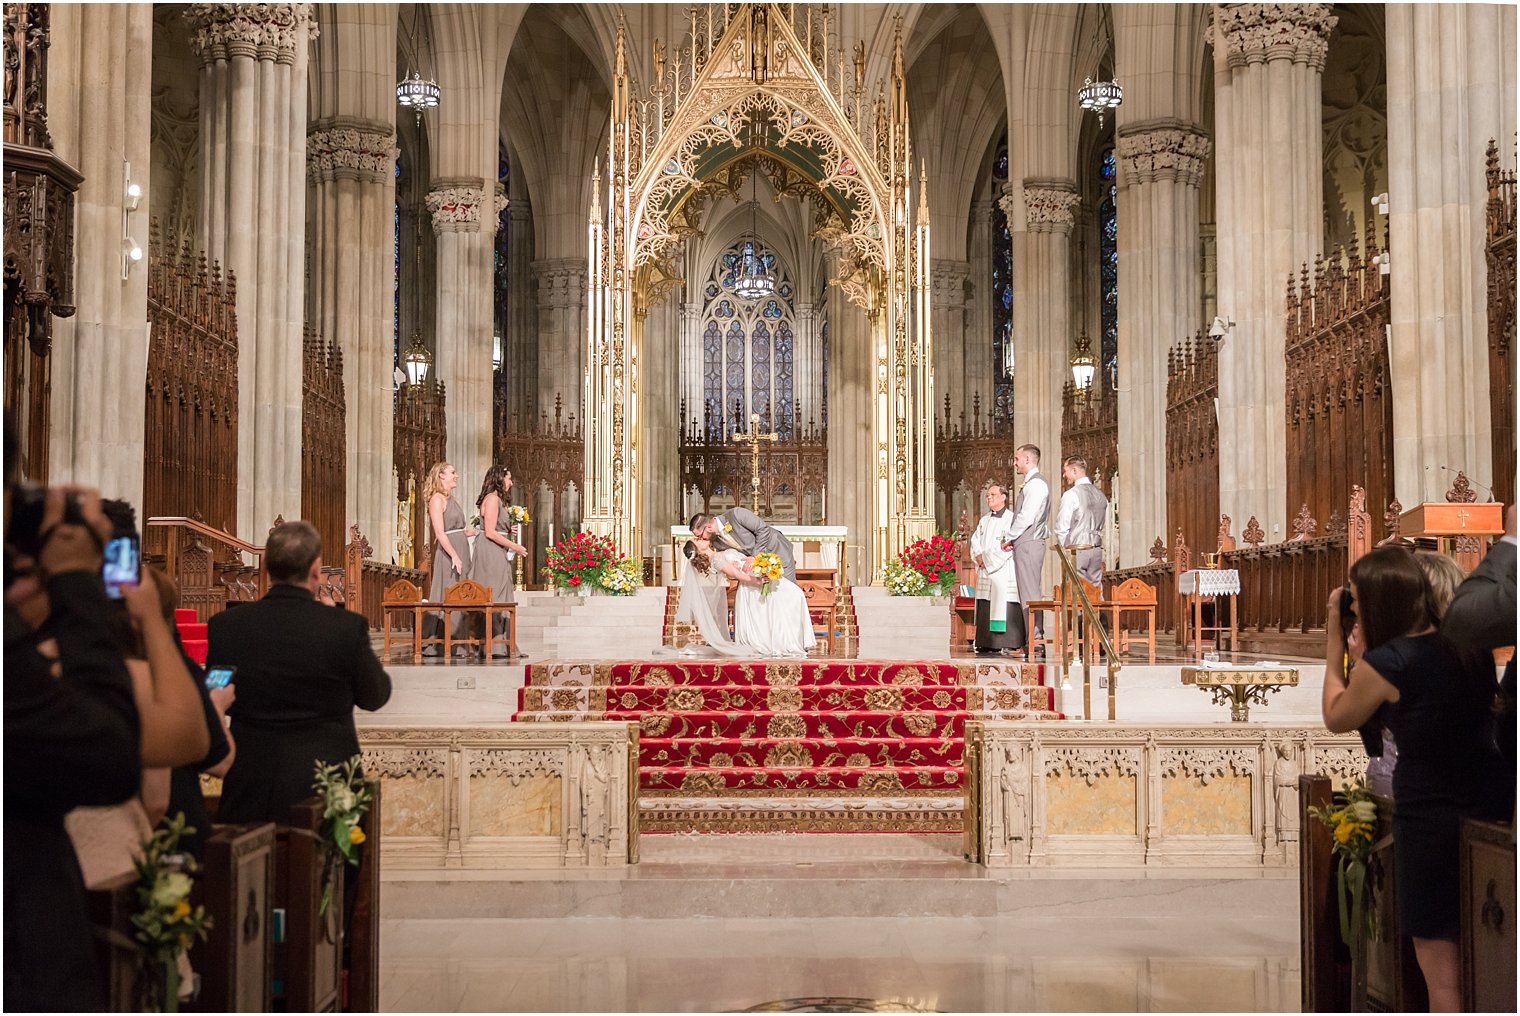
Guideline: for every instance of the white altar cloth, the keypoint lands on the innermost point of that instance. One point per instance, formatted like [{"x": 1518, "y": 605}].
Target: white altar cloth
[{"x": 1209, "y": 581}]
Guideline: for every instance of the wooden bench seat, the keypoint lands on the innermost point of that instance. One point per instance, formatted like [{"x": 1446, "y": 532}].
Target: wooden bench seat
[{"x": 465, "y": 596}]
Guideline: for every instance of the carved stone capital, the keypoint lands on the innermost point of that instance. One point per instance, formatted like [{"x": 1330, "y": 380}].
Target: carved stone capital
[
  {"x": 561, "y": 282},
  {"x": 457, "y": 208},
  {"x": 349, "y": 149},
  {"x": 1161, "y": 153},
  {"x": 260, "y": 31},
  {"x": 1254, "y": 33},
  {"x": 948, "y": 278},
  {"x": 1048, "y": 206}
]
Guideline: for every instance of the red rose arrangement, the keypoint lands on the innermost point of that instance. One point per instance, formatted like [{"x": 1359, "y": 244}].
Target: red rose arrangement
[
  {"x": 934, "y": 559},
  {"x": 581, "y": 559}
]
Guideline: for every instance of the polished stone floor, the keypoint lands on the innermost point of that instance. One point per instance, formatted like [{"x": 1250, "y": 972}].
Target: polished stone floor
[{"x": 715, "y": 924}]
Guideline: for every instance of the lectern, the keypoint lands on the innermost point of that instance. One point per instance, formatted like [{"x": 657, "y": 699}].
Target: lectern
[{"x": 1459, "y": 527}]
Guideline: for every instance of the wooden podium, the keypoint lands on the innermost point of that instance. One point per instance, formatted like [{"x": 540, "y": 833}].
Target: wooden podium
[{"x": 1459, "y": 527}]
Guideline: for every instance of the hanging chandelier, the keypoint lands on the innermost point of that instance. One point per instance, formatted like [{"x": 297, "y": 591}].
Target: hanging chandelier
[
  {"x": 755, "y": 280},
  {"x": 1100, "y": 96},
  {"x": 1083, "y": 366},
  {"x": 418, "y": 93}
]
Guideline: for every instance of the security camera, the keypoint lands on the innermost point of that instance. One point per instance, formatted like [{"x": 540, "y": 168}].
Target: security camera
[{"x": 1220, "y": 328}]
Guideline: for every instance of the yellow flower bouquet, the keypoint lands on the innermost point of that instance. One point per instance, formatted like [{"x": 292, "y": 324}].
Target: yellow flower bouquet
[
  {"x": 166, "y": 923},
  {"x": 518, "y": 515},
  {"x": 1352, "y": 818},
  {"x": 767, "y": 568},
  {"x": 345, "y": 800}
]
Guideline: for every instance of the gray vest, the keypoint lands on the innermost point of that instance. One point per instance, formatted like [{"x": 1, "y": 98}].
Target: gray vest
[{"x": 1087, "y": 523}]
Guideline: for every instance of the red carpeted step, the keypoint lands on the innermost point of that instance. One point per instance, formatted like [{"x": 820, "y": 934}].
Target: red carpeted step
[
  {"x": 799, "y": 725},
  {"x": 726, "y": 698},
  {"x": 184, "y": 615},
  {"x": 192, "y": 632},
  {"x": 196, "y": 650},
  {"x": 772, "y": 779},
  {"x": 846, "y": 752},
  {"x": 779, "y": 673}
]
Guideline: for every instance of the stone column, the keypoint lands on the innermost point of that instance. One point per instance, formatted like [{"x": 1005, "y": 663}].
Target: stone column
[
  {"x": 522, "y": 314},
  {"x": 850, "y": 407},
  {"x": 98, "y": 112},
  {"x": 253, "y": 220},
  {"x": 1160, "y": 166},
  {"x": 1451, "y": 87},
  {"x": 691, "y": 365},
  {"x": 561, "y": 330},
  {"x": 658, "y": 446},
  {"x": 351, "y": 165},
  {"x": 979, "y": 372},
  {"x": 1042, "y": 321},
  {"x": 953, "y": 368},
  {"x": 464, "y": 220},
  {"x": 807, "y": 367},
  {"x": 1268, "y": 59}
]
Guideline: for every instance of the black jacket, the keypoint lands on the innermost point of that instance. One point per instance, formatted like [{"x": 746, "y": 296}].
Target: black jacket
[
  {"x": 69, "y": 741},
  {"x": 1481, "y": 617},
  {"x": 302, "y": 667}
]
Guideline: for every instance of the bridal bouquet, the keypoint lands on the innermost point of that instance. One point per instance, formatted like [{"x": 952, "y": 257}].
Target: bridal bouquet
[{"x": 767, "y": 567}]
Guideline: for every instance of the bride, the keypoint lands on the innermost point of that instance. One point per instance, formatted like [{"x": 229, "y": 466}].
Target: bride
[{"x": 771, "y": 624}]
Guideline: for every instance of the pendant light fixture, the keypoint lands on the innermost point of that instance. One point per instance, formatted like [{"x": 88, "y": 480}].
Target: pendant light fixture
[{"x": 755, "y": 279}]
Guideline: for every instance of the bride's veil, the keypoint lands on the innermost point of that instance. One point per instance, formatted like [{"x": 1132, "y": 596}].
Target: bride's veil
[{"x": 704, "y": 600}]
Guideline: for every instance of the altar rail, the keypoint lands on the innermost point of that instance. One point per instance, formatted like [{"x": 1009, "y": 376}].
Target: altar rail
[
  {"x": 506, "y": 795},
  {"x": 1124, "y": 795}
]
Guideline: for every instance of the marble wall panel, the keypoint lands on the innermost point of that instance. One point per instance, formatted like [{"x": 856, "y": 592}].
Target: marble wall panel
[
  {"x": 530, "y": 807},
  {"x": 413, "y": 806},
  {"x": 1104, "y": 807},
  {"x": 1195, "y": 806}
]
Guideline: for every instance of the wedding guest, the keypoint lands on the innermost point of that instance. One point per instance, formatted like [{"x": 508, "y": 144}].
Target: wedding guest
[
  {"x": 1441, "y": 719},
  {"x": 1030, "y": 529},
  {"x": 451, "y": 548},
  {"x": 491, "y": 565}
]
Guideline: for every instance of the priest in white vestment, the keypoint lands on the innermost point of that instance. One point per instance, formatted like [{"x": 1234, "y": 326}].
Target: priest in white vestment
[{"x": 999, "y": 609}]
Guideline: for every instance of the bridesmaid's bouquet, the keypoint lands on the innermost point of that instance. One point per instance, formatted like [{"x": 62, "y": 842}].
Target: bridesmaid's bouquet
[
  {"x": 518, "y": 515},
  {"x": 767, "y": 568}
]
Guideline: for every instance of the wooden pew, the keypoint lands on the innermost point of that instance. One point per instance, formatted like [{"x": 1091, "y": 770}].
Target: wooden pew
[
  {"x": 1488, "y": 917},
  {"x": 110, "y": 909},
  {"x": 236, "y": 885},
  {"x": 362, "y": 970},
  {"x": 1387, "y": 972},
  {"x": 1324, "y": 961},
  {"x": 308, "y": 963}
]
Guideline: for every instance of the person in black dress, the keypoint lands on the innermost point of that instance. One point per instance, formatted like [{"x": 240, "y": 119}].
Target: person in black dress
[
  {"x": 302, "y": 667},
  {"x": 1441, "y": 718}
]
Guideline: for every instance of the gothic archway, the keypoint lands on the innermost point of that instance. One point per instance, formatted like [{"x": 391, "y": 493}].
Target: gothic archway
[{"x": 757, "y": 82}]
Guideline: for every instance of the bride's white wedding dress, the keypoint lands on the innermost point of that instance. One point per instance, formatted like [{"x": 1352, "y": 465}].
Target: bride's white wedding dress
[{"x": 774, "y": 625}]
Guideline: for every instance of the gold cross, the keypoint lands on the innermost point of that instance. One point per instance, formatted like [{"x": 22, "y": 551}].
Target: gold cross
[
  {"x": 754, "y": 440},
  {"x": 1462, "y": 517}
]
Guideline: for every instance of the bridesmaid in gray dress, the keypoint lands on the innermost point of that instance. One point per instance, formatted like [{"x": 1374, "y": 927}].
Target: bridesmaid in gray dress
[
  {"x": 491, "y": 566},
  {"x": 451, "y": 553}
]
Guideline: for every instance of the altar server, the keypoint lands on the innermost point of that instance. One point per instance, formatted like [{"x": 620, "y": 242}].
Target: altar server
[{"x": 999, "y": 609}]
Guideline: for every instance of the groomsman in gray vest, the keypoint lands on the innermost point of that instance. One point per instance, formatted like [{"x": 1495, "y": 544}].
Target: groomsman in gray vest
[
  {"x": 1079, "y": 520},
  {"x": 1030, "y": 529}
]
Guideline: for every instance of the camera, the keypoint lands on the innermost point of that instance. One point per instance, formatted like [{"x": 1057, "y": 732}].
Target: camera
[
  {"x": 28, "y": 501},
  {"x": 1348, "y": 616}
]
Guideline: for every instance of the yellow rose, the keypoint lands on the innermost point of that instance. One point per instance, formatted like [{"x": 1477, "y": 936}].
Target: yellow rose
[
  {"x": 356, "y": 835},
  {"x": 181, "y": 910}
]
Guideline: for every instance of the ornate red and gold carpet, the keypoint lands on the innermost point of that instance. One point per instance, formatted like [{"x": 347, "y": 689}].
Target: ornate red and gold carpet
[{"x": 793, "y": 746}]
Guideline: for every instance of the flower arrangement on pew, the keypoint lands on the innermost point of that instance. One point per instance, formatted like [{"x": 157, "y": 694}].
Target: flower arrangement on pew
[
  {"x": 345, "y": 801},
  {"x": 1352, "y": 816},
  {"x": 166, "y": 923},
  {"x": 924, "y": 568},
  {"x": 767, "y": 568},
  {"x": 586, "y": 563}
]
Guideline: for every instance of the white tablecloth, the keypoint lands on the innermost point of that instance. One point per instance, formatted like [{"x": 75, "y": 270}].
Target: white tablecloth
[{"x": 1209, "y": 581}]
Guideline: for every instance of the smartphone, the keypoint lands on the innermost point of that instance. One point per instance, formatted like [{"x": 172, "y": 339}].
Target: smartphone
[
  {"x": 219, "y": 677},
  {"x": 123, "y": 564}
]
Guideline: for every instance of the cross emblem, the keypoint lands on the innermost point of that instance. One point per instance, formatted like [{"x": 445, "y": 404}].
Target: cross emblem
[
  {"x": 1462, "y": 517},
  {"x": 753, "y": 437}
]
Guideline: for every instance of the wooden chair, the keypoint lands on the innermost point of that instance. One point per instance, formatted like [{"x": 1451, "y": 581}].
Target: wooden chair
[
  {"x": 818, "y": 585},
  {"x": 404, "y": 598},
  {"x": 1131, "y": 596},
  {"x": 1052, "y": 634},
  {"x": 464, "y": 596}
]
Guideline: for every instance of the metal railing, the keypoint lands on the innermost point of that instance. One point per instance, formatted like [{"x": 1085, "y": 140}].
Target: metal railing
[{"x": 1073, "y": 606}]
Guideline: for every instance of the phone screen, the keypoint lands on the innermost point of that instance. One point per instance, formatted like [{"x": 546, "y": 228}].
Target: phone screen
[
  {"x": 219, "y": 677},
  {"x": 122, "y": 566}
]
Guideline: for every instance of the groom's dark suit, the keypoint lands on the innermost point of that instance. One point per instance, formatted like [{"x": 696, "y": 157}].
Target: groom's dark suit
[{"x": 744, "y": 530}]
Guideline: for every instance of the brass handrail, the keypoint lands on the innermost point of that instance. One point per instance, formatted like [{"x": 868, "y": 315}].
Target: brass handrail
[{"x": 1070, "y": 581}]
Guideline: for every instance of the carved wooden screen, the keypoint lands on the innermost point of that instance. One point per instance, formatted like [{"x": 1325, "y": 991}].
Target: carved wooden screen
[
  {"x": 1090, "y": 428},
  {"x": 793, "y": 470},
  {"x": 190, "y": 447},
  {"x": 421, "y": 439},
  {"x": 1192, "y": 442},
  {"x": 324, "y": 441},
  {"x": 1339, "y": 409},
  {"x": 1501, "y": 323},
  {"x": 972, "y": 453},
  {"x": 543, "y": 454},
  {"x": 39, "y": 234}
]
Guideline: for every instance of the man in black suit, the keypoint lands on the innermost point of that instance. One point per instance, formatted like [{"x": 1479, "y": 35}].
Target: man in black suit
[
  {"x": 72, "y": 739},
  {"x": 302, "y": 667}
]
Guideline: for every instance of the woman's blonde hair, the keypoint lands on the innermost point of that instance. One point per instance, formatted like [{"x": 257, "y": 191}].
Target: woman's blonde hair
[
  {"x": 1442, "y": 577},
  {"x": 430, "y": 485}
]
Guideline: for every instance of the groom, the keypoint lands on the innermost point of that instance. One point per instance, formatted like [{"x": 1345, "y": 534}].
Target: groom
[{"x": 743, "y": 530}]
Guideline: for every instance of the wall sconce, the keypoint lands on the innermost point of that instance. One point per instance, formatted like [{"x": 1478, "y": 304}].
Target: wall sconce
[
  {"x": 132, "y": 193},
  {"x": 1380, "y": 203}
]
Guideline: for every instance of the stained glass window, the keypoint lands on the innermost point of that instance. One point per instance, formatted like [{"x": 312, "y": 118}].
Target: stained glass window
[
  {"x": 503, "y": 173},
  {"x": 747, "y": 348},
  {"x": 1002, "y": 293},
  {"x": 1108, "y": 266}
]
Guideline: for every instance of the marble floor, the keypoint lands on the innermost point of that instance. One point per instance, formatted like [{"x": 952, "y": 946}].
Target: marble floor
[{"x": 751, "y": 925}]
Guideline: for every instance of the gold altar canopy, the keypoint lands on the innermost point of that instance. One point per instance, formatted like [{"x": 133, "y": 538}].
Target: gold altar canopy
[{"x": 754, "y": 87}]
